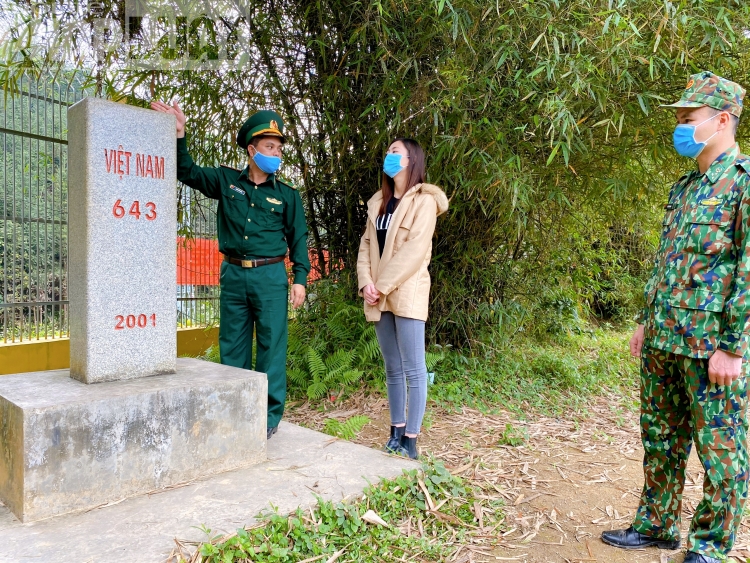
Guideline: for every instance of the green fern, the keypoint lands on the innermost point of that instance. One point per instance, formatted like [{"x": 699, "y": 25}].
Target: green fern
[
  {"x": 315, "y": 364},
  {"x": 296, "y": 341},
  {"x": 346, "y": 430},
  {"x": 368, "y": 348},
  {"x": 334, "y": 375},
  {"x": 296, "y": 376},
  {"x": 331, "y": 345},
  {"x": 339, "y": 329},
  {"x": 432, "y": 359},
  {"x": 339, "y": 359},
  {"x": 316, "y": 390},
  {"x": 351, "y": 376}
]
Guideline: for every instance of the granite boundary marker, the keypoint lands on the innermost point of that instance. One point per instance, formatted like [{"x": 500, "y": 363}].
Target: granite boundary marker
[
  {"x": 123, "y": 220},
  {"x": 128, "y": 417}
]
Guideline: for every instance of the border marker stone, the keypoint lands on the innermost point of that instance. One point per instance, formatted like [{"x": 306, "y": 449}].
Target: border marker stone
[
  {"x": 128, "y": 417},
  {"x": 123, "y": 224}
]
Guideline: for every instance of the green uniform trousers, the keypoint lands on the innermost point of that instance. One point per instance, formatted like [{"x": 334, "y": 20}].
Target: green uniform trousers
[
  {"x": 679, "y": 406},
  {"x": 256, "y": 299}
]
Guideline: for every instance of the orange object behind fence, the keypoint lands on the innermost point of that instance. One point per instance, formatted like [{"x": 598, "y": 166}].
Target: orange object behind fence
[{"x": 199, "y": 262}]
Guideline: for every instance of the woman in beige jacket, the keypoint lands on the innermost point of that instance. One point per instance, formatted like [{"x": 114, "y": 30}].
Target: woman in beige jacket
[{"x": 393, "y": 279}]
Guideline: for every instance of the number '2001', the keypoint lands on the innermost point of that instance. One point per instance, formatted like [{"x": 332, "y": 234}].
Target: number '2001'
[{"x": 134, "y": 321}]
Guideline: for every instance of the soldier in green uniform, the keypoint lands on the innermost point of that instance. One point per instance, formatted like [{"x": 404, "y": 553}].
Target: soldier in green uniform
[
  {"x": 259, "y": 216},
  {"x": 693, "y": 335}
]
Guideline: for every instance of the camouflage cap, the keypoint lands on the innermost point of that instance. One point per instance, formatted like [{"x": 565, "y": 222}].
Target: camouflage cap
[{"x": 707, "y": 89}]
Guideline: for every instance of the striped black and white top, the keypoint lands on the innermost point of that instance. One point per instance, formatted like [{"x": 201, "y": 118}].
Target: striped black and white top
[{"x": 384, "y": 221}]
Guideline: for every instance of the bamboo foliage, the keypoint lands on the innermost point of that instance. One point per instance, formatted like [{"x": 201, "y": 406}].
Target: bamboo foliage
[{"x": 538, "y": 116}]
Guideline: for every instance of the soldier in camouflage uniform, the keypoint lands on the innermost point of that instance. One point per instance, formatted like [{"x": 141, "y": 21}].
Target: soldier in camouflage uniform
[{"x": 693, "y": 335}]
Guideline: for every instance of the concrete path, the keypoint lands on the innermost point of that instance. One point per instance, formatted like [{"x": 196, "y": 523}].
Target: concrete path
[{"x": 302, "y": 463}]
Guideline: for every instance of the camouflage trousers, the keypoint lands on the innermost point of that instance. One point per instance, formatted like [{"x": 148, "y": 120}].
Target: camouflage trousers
[{"x": 679, "y": 406}]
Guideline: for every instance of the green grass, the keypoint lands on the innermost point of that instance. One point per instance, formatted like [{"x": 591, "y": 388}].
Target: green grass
[
  {"x": 545, "y": 377},
  {"x": 521, "y": 375},
  {"x": 340, "y": 527},
  {"x": 513, "y": 436}
]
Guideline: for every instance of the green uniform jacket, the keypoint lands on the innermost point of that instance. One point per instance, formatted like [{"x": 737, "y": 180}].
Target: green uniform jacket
[
  {"x": 697, "y": 296},
  {"x": 254, "y": 221}
]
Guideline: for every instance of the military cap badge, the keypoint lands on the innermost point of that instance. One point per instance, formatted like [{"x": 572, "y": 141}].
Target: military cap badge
[
  {"x": 261, "y": 123},
  {"x": 708, "y": 89}
]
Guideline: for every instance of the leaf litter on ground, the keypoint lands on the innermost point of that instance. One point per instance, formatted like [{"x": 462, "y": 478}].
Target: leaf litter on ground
[{"x": 519, "y": 494}]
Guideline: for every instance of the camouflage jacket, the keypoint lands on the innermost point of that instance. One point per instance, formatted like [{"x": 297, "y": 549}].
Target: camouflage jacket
[{"x": 697, "y": 296}]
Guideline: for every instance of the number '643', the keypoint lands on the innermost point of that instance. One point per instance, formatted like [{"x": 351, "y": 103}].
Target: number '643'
[{"x": 118, "y": 210}]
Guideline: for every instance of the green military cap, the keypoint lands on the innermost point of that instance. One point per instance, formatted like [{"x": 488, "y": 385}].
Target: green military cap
[
  {"x": 262, "y": 123},
  {"x": 707, "y": 89}
]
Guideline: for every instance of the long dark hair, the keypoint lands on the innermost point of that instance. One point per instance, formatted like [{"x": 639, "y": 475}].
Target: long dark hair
[{"x": 416, "y": 171}]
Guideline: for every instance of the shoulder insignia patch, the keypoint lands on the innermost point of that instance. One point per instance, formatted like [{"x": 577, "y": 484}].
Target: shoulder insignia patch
[
  {"x": 287, "y": 183},
  {"x": 230, "y": 167}
]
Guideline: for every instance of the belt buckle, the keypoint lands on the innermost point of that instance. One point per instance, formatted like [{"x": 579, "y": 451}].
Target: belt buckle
[{"x": 247, "y": 263}]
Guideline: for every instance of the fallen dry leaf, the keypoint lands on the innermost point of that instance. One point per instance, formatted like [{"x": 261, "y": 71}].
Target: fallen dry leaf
[{"x": 372, "y": 517}]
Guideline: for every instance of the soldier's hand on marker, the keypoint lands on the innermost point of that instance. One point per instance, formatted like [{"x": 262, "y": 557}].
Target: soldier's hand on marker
[
  {"x": 175, "y": 110},
  {"x": 371, "y": 294},
  {"x": 636, "y": 342},
  {"x": 298, "y": 295},
  {"x": 724, "y": 368}
]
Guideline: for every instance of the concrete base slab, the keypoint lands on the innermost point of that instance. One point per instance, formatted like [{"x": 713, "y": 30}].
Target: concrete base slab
[
  {"x": 67, "y": 446},
  {"x": 301, "y": 463}
]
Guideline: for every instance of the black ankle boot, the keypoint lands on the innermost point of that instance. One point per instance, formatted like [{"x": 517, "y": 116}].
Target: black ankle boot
[
  {"x": 394, "y": 441},
  {"x": 631, "y": 539},
  {"x": 408, "y": 447},
  {"x": 692, "y": 557}
]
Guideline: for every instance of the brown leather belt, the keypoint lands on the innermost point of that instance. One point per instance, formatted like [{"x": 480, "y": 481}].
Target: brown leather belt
[{"x": 253, "y": 263}]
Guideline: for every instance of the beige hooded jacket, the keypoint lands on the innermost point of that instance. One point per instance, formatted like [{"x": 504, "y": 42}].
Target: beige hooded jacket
[{"x": 401, "y": 275}]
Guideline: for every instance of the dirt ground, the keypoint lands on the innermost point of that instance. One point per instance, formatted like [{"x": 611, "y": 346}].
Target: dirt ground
[{"x": 567, "y": 481}]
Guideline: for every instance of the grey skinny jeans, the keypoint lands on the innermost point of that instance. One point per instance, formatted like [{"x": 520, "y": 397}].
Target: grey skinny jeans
[{"x": 402, "y": 344}]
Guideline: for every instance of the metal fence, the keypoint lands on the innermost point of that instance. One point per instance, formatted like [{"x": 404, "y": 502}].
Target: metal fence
[
  {"x": 34, "y": 220},
  {"x": 198, "y": 260},
  {"x": 34, "y": 209}
]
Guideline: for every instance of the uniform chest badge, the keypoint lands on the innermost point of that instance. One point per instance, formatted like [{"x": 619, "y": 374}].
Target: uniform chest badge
[
  {"x": 236, "y": 189},
  {"x": 274, "y": 201},
  {"x": 711, "y": 201}
]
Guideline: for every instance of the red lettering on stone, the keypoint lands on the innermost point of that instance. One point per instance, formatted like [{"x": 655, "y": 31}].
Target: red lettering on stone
[
  {"x": 159, "y": 167},
  {"x": 120, "y": 154},
  {"x": 146, "y": 165},
  {"x": 109, "y": 159},
  {"x": 123, "y": 322}
]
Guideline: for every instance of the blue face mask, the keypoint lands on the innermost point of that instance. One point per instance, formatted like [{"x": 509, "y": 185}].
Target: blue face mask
[
  {"x": 268, "y": 164},
  {"x": 392, "y": 164},
  {"x": 684, "y": 139}
]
